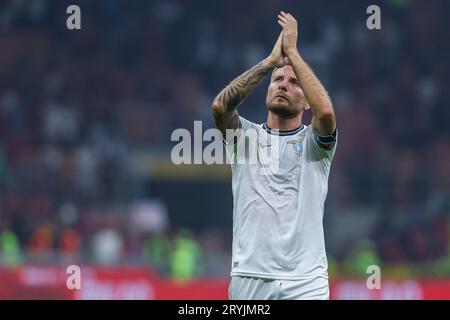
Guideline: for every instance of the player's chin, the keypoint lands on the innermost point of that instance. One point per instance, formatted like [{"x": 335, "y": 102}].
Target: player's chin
[
  {"x": 278, "y": 107},
  {"x": 282, "y": 109}
]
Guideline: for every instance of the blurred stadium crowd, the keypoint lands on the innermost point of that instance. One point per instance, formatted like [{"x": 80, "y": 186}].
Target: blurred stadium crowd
[{"x": 74, "y": 105}]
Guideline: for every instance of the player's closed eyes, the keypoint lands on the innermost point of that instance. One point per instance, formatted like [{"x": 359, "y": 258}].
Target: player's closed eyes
[{"x": 280, "y": 78}]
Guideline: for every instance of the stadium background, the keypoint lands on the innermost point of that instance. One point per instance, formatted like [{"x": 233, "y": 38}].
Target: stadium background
[{"x": 86, "y": 119}]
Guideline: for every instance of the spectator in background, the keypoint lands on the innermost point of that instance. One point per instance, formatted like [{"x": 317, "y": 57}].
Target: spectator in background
[
  {"x": 40, "y": 247},
  {"x": 186, "y": 257},
  {"x": 156, "y": 251},
  {"x": 69, "y": 245},
  {"x": 10, "y": 253},
  {"x": 364, "y": 256},
  {"x": 107, "y": 247}
]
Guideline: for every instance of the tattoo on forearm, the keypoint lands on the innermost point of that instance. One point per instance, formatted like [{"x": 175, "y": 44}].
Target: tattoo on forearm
[{"x": 239, "y": 88}]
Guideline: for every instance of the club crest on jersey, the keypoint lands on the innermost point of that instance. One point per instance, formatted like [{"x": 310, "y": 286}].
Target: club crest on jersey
[{"x": 297, "y": 144}]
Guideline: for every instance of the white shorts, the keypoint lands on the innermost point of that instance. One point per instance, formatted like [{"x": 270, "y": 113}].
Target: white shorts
[{"x": 248, "y": 288}]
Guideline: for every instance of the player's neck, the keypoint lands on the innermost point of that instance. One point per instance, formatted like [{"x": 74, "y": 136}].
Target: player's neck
[{"x": 277, "y": 122}]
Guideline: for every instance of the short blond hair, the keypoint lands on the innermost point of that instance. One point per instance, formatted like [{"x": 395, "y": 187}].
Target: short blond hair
[{"x": 276, "y": 68}]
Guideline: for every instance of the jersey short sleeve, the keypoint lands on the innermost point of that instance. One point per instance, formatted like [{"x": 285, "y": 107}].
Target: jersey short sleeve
[{"x": 236, "y": 146}]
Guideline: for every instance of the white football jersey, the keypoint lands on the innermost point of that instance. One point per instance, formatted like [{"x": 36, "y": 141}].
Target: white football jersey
[{"x": 279, "y": 182}]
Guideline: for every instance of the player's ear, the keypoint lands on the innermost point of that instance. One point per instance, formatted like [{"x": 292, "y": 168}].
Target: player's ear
[{"x": 307, "y": 107}]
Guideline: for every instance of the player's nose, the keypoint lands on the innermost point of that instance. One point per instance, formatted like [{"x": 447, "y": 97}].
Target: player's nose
[{"x": 282, "y": 86}]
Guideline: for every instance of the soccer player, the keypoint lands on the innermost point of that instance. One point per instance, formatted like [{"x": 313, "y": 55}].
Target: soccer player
[{"x": 278, "y": 238}]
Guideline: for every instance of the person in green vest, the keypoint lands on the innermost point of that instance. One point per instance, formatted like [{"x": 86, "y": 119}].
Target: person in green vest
[
  {"x": 186, "y": 257},
  {"x": 10, "y": 254},
  {"x": 156, "y": 252},
  {"x": 365, "y": 256}
]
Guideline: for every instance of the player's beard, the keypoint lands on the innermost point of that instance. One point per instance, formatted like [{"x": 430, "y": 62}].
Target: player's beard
[{"x": 285, "y": 111}]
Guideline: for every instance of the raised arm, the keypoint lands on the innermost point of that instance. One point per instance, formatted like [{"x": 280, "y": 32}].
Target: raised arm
[
  {"x": 224, "y": 106},
  {"x": 324, "y": 120}
]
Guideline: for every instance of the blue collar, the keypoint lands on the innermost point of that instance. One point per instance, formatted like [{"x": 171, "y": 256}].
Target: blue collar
[{"x": 281, "y": 132}]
